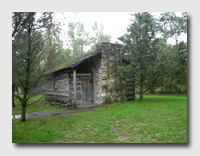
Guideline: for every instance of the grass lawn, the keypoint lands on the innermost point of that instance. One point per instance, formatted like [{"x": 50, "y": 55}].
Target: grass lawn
[{"x": 153, "y": 120}]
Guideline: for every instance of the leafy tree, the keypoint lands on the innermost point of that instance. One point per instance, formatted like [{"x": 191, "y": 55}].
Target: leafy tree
[
  {"x": 98, "y": 36},
  {"x": 82, "y": 38},
  {"x": 52, "y": 48},
  {"x": 142, "y": 46},
  {"x": 28, "y": 69},
  {"x": 78, "y": 38},
  {"x": 175, "y": 80},
  {"x": 182, "y": 67},
  {"x": 19, "y": 20},
  {"x": 173, "y": 25}
]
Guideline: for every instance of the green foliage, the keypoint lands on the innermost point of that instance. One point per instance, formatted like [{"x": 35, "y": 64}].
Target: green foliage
[
  {"x": 78, "y": 38},
  {"x": 153, "y": 120},
  {"x": 156, "y": 65},
  {"x": 19, "y": 21},
  {"x": 27, "y": 55},
  {"x": 52, "y": 50},
  {"x": 78, "y": 41},
  {"x": 173, "y": 25},
  {"x": 98, "y": 36},
  {"x": 175, "y": 79},
  {"x": 142, "y": 49}
]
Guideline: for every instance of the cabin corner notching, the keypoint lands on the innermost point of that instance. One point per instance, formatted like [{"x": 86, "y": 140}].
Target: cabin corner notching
[{"x": 91, "y": 78}]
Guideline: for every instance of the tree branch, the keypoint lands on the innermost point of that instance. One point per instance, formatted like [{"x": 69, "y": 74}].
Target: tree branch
[
  {"x": 152, "y": 84},
  {"x": 35, "y": 101}
]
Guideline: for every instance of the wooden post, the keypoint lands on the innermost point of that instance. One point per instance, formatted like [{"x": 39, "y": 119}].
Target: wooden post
[
  {"x": 74, "y": 84},
  {"x": 93, "y": 84}
]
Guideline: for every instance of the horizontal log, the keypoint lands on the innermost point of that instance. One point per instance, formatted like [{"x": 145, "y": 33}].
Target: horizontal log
[
  {"x": 78, "y": 101},
  {"x": 78, "y": 86},
  {"x": 77, "y": 83},
  {"x": 89, "y": 77},
  {"x": 77, "y": 93},
  {"x": 81, "y": 74},
  {"x": 57, "y": 91},
  {"x": 55, "y": 95}
]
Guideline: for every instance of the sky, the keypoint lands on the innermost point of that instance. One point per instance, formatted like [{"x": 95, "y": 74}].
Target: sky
[{"x": 115, "y": 23}]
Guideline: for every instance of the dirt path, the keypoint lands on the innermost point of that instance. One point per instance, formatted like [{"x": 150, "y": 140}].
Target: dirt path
[{"x": 49, "y": 113}]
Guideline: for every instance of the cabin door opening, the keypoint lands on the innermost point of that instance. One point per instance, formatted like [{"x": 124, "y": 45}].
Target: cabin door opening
[{"x": 87, "y": 91}]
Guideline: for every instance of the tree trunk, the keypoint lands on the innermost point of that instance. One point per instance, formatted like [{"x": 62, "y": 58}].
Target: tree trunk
[
  {"x": 23, "y": 117},
  {"x": 26, "y": 87},
  {"x": 141, "y": 83},
  {"x": 74, "y": 84},
  {"x": 141, "y": 87},
  {"x": 13, "y": 91},
  {"x": 141, "y": 90}
]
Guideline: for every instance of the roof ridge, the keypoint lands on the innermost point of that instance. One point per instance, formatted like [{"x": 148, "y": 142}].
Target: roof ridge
[
  {"x": 78, "y": 58},
  {"x": 82, "y": 55},
  {"x": 72, "y": 62}
]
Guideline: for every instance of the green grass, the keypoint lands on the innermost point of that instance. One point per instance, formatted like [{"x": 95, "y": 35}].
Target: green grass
[
  {"x": 39, "y": 106},
  {"x": 152, "y": 120}
]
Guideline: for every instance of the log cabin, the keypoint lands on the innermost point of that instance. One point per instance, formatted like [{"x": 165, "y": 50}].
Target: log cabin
[{"x": 91, "y": 79}]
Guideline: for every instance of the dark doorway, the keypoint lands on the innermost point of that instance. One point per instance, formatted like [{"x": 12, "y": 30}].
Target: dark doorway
[{"x": 87, "y": 91}]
